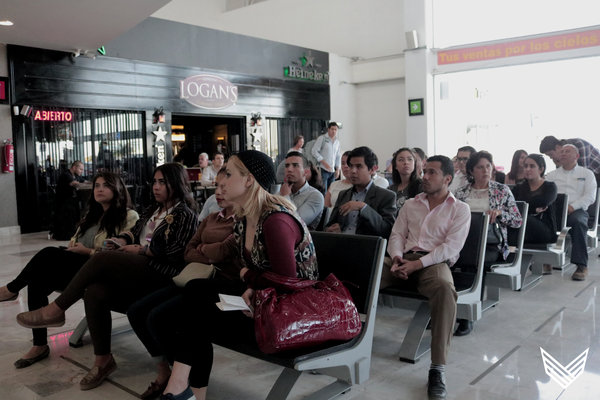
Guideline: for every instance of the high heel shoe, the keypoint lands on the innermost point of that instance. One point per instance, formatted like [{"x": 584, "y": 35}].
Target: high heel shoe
[{"x": 36, "y": 319}]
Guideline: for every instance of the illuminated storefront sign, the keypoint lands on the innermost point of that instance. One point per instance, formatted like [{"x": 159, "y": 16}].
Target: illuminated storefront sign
[
  {"x": 159, "y": 144},
  {"x": 306, "y": 70},
  {"x": 208, "y": 91},
  {"x": 545, "y": 44},
  {"x": 61, "y": 116},
  {"x": 3, "y": 90}
]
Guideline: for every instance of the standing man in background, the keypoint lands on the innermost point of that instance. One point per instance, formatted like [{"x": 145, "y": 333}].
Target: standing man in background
[
  {"x": 589, "y": 156},
  {"x": 67, "y": 212},
  {"x": 327, "y": 151}
]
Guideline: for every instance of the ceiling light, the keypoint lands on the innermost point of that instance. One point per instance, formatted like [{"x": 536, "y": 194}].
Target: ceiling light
[{"x": 6, "y": 23}]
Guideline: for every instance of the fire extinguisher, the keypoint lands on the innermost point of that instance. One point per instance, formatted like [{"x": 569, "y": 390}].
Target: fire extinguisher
[{"x": 8, "y": 157}]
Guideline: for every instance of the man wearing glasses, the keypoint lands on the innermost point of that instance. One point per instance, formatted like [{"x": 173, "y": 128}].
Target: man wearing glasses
[{"x": 460, "y": 176}]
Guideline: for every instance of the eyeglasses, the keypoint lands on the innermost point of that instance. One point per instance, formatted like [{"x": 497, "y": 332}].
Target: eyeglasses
[{"x": 462, "y": 159}]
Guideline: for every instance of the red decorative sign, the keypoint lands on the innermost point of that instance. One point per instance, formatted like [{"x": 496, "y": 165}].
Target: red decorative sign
[
  {"x": 3, "y": 90},
  {"x": 564, "y": 41},
  {"x": 208, "y": 91},
  {"x": 61, "y": 116}
]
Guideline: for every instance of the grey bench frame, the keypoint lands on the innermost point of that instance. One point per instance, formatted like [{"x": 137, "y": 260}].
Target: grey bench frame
[
  {"x": 510, "y": 275},
  {"x": 350, "y": 362}
]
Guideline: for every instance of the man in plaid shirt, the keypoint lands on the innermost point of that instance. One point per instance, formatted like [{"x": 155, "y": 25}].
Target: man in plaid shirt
[{"x": 589, "y": 156}]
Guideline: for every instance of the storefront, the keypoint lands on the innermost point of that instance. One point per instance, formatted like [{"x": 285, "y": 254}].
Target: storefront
[{"x": 118, "y": 114}]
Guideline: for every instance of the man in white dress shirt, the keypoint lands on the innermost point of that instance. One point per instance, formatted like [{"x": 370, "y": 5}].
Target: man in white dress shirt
[{"x": 580, "y": 184}]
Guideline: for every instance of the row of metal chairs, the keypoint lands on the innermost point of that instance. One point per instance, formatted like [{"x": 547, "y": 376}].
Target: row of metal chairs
[{"x": 480, "y": 290}]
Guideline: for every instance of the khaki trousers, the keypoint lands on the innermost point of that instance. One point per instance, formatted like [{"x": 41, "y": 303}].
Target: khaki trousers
[{"x": 434, "y": 282}]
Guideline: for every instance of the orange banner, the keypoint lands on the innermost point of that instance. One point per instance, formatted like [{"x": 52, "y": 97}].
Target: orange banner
[{"x": 545, "y": 44}]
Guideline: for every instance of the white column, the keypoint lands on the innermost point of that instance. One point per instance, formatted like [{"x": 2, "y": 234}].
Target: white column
[{"x": 419, "y": 65}]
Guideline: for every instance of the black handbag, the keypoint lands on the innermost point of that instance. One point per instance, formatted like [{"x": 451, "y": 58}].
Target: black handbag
[{"x": 494, "y": 234}]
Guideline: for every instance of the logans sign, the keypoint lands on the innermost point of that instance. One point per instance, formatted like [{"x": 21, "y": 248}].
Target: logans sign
[{"x": 208, "y": 91}]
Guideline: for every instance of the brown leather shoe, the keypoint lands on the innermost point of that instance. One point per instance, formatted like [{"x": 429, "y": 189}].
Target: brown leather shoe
[
  {"x": 7, "y": 295},
  {"x": 154, "y": 390},
  {"x": 35, "y": 319},
  {"x": 97, "y": 375},
  {"x": 547, "y": 269},
  {"x": 580, "y": 273}
]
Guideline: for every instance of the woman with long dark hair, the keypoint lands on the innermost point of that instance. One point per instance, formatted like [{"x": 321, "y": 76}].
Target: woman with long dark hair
[
  {"x": 52, "y": 268},
  {"x": 406, "y": 181},
  {"x": 212, "y": 244},
  {"x": 147, "y": 258},
  {"x": 517, "y": 168},
  {"x": 540, "y": 195}
]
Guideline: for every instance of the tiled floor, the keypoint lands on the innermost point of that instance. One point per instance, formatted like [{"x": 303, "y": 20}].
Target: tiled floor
[{"x": 500, "y": 360}]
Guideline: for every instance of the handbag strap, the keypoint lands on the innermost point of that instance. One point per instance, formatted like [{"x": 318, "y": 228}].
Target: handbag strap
[{"x": 287, "y": 282}]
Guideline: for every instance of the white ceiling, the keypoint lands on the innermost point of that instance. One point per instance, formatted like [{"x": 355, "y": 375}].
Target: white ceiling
[
  {"x": 71, "y": 24},
  {"x": 352, "y": 28}
]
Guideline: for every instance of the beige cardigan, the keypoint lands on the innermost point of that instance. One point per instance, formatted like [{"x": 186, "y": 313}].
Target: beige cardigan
[{"x": 132, "y": 217}]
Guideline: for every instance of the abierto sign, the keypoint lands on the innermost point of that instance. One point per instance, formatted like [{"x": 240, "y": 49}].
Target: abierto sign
[{"x": 208, "y": 91}]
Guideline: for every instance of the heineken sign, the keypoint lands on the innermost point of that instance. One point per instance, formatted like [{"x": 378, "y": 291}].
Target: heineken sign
[
  {"x": 306, "y": 70},
  {"x": 208, "y": 91}
]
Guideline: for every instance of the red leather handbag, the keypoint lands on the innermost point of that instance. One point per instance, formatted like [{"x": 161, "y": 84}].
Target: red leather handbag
[{"x": 304, "y": 313}]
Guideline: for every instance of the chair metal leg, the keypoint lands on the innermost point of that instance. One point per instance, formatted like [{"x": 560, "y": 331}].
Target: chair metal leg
[
  {"x": 76, "y": 337},
  {"x": 493, "y": 297},
  {"x": 330, "y": 391},
  {"x": 284, "y": 384},
  {"x": 415, "y": 343}
]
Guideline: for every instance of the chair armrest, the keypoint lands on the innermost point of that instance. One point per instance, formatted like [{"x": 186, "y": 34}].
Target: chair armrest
[{"x": 561, "y": 240}]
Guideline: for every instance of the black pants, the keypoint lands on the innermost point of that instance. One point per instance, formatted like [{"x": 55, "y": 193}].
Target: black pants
[
  {"x": 110, "y": 281},
  {"x": 190, "y": 340},
  {"x": 49, "y": 270},
  {"x": 154, "y": 317},
  {"x": 538, "y": 232}
]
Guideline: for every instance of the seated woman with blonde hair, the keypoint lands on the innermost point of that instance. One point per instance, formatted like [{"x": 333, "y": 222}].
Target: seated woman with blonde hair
[{"x": 269, "y": 236}]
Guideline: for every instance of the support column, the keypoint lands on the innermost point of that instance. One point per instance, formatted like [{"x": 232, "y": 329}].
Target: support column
[{"x": 419, "y": 64}]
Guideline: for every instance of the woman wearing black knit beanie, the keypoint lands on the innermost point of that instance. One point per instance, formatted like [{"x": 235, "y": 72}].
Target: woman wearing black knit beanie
[{"x": 269, "y": 236}]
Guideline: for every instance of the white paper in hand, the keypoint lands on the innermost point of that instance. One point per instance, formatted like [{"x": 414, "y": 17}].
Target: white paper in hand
[{"x": 232, "y": 303}]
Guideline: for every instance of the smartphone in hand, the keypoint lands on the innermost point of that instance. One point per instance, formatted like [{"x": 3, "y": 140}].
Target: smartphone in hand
[{"x": 112, "y": 243}]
